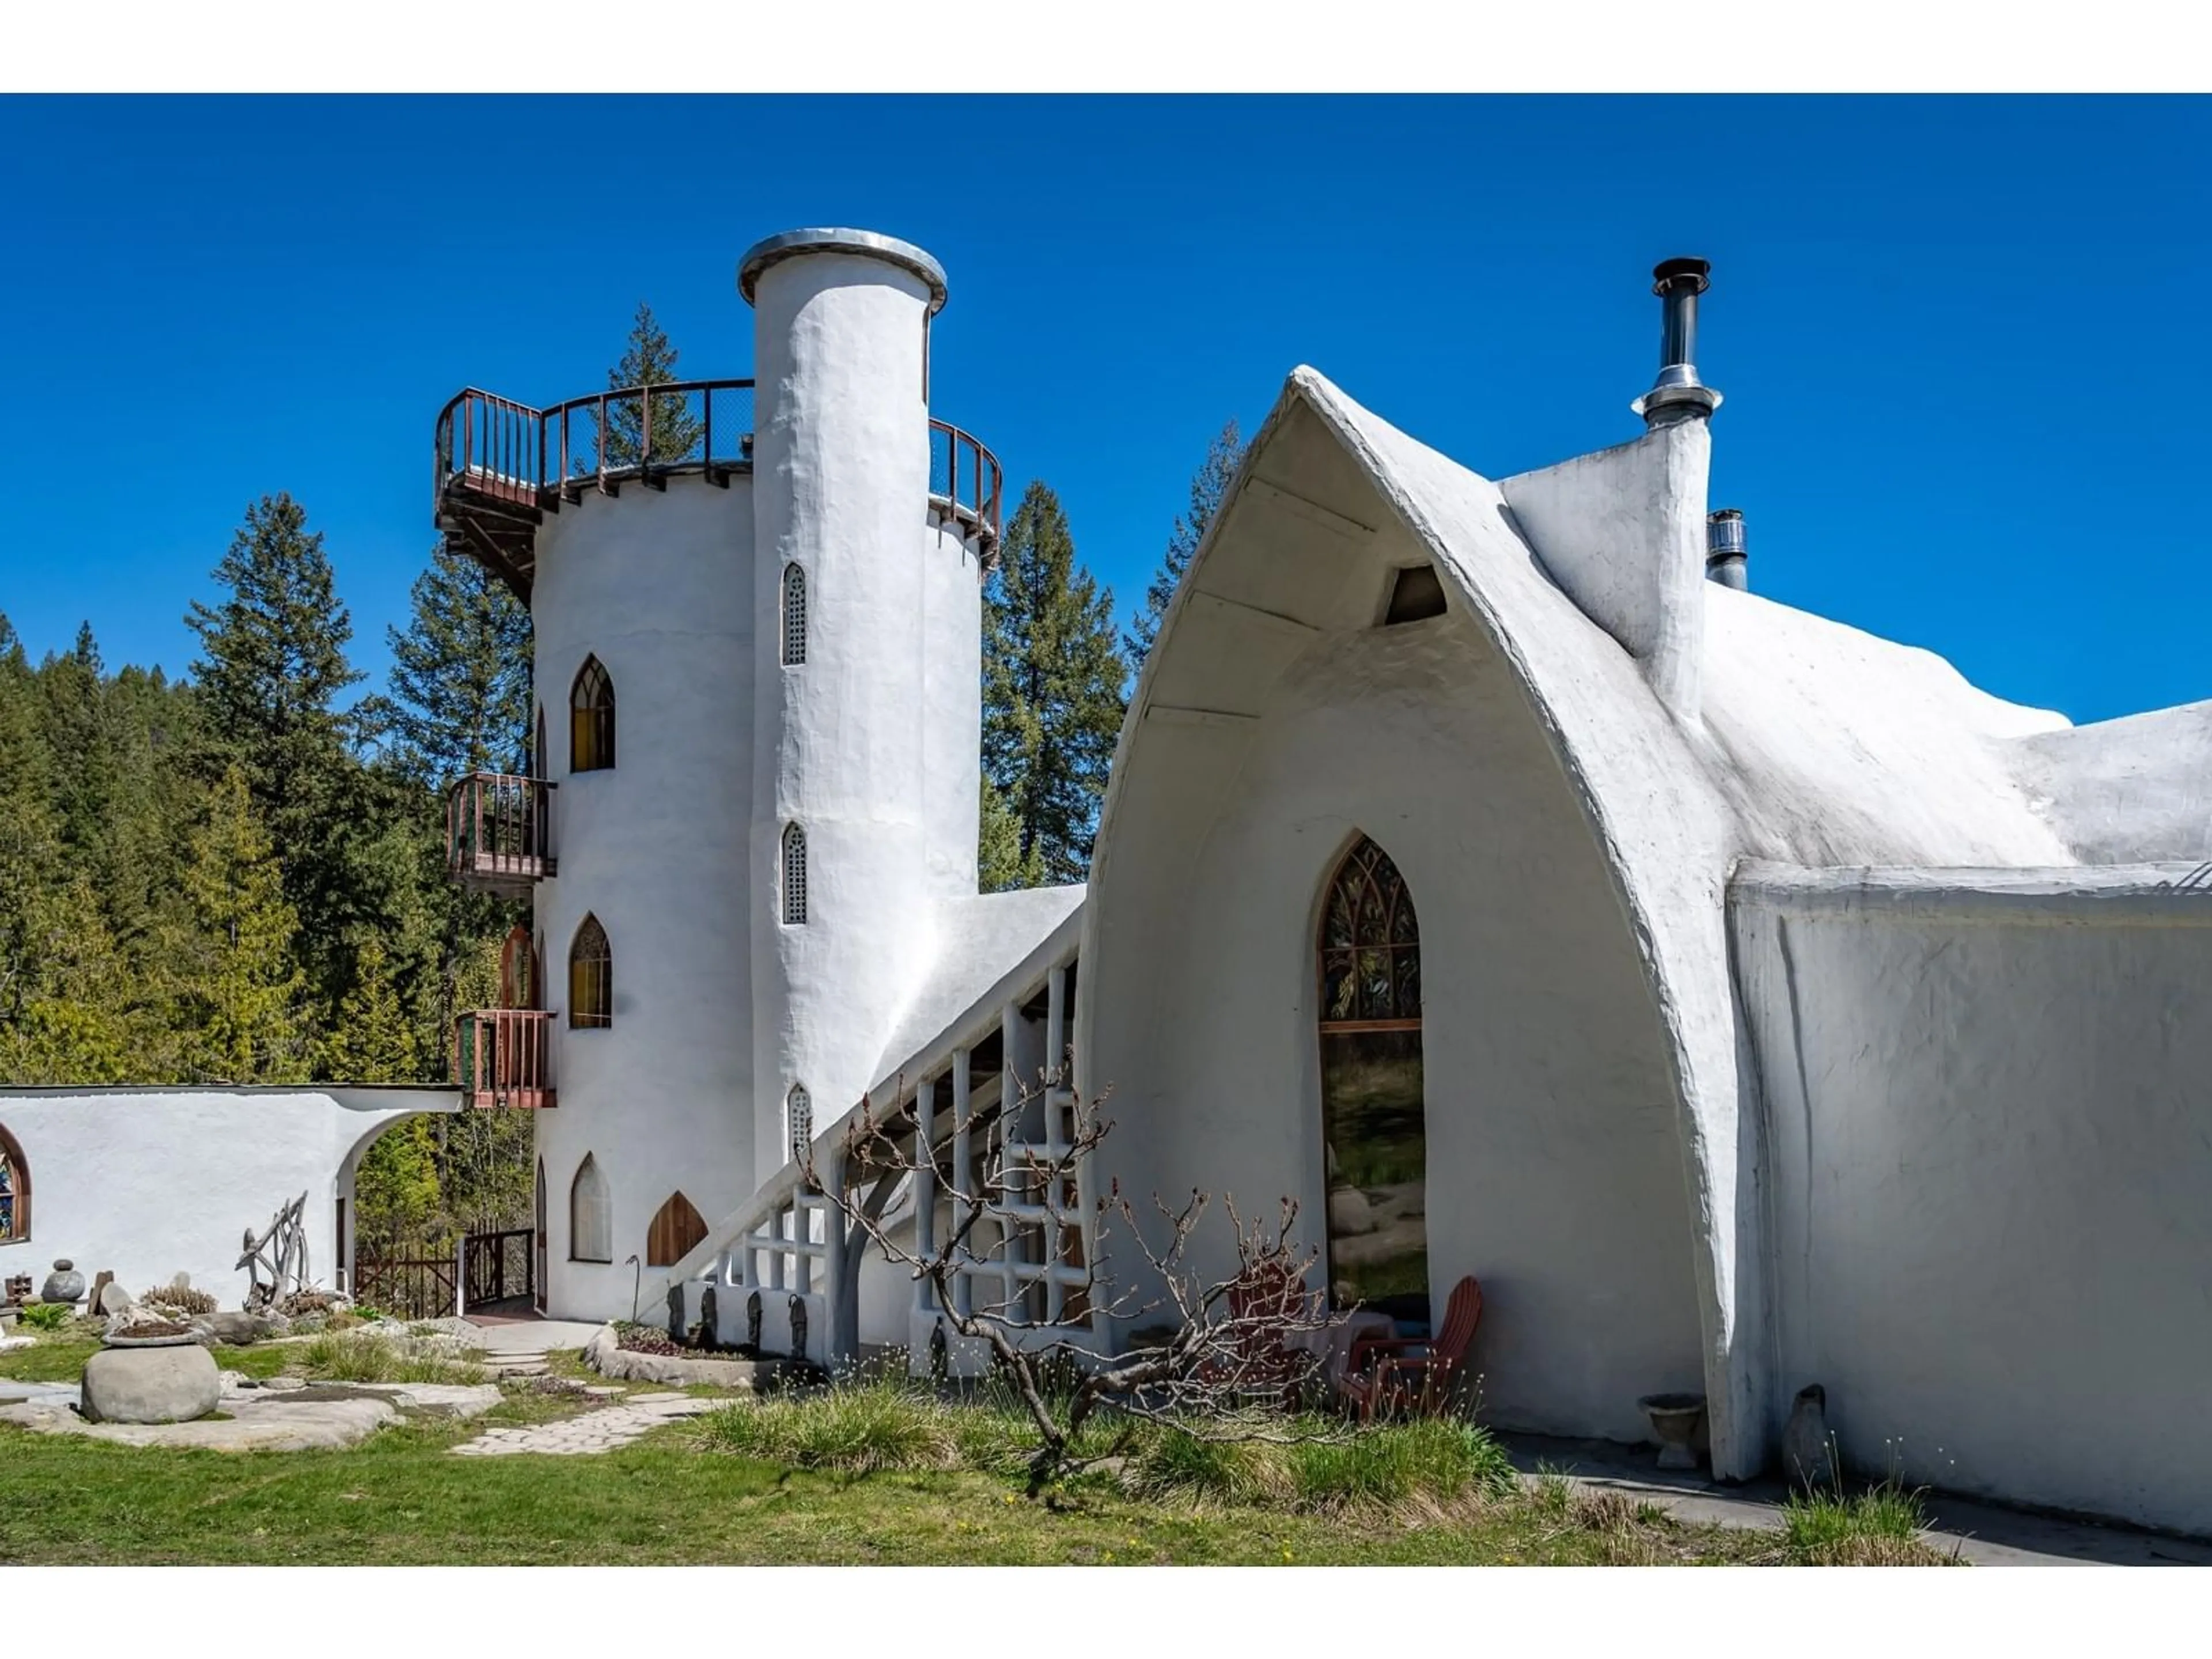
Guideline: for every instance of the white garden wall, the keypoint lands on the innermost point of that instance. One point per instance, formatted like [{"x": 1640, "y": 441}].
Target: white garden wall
[
  {"x": 1990, "y": 1106},
  {"x": 148, "y": 1183}
]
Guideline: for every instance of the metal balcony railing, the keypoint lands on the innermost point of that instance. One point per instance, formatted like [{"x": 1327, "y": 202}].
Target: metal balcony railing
[
  {"x": 504, "y": 1057},
  {"x": 499, "y": 833},
  {"x": 500, "y": 465}
]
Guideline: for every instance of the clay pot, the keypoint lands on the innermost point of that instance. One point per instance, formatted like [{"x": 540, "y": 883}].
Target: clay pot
[{"x": 1676, "y": 1418}]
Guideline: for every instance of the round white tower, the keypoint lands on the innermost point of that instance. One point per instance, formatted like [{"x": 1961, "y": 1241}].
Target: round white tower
[
  {"x": 867, "y": 701},
  {"x": 650, "y": 593}
]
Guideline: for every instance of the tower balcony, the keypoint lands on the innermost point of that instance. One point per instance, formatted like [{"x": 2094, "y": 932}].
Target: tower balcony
[
  {"x": 504, "y": 1057},
  {"x": 499, "y": 833},
  {"x": 501, "y": 466}
]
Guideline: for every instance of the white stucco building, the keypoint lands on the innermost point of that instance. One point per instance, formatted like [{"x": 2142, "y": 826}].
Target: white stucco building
[{"x": 1746, "y": 1000}]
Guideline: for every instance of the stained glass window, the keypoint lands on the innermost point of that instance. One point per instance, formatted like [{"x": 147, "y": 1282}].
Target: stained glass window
[
  {"x": 15, "y": 1191},
  {"x": 590, "y": 977},
  {"x": 1373, "y": 1111},
  {"x": 592, "y": 719}
]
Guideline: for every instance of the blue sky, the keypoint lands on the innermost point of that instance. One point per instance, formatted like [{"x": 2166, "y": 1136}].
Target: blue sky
[{"x": 1963, "y": 341}]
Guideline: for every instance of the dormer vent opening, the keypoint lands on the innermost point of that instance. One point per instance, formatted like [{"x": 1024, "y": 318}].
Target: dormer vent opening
[{"x": 1416, "y": 594}]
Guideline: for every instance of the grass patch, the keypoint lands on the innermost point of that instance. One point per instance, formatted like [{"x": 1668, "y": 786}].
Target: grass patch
[
  {"x": 344, "y": 1357},
  {"x": 1880, "y": 1527}
]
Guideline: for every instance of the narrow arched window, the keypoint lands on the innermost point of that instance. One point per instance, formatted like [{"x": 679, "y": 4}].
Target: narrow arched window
[
  {"x": 795, "y": 615},
  {"x": 798, "y": 1120},
  {"x": 1373, "y": 1107},
  {"x": 794, "y": 875},
  {"x": 590, "y": 977},
  {"x": 542, "y": 757},
  {"x": 15, "y": 1191},
  {"x": 677, "y": 1229},
  {"x": 591, "y": 719},
  {"x": 591, "y": 1215}
]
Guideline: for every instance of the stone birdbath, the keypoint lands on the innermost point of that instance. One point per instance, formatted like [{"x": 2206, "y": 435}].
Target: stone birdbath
[
  {"x": 149, "y": 1370},
  {"x": 1676, "y": 1417}
]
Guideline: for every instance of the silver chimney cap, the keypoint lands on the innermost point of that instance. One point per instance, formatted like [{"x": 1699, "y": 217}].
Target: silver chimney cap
[
  {"x": 1678, "y": 394},
  {"x": 1727, "y": 553}
]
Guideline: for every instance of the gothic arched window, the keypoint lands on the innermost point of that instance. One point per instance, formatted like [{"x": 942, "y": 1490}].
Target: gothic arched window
[
  {"x": 592, "y": 719},
  {"x": 15, "y": 1191},
  {"x": 591, "y": 1215},
  {"x": 794, "y": 874},
  {"x": 1373, "y": 1107},
  {"x": 795, "y": 615},
  {"x": 590, "y": 977}
]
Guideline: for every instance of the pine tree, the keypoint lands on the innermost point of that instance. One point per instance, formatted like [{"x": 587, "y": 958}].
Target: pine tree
[
  {"x": 274, "y": 668},
  {"x": 1052, "y": 688},
  {"x": 240, "y": 996},
  {"x": 999, "y": 865},
  {"x": 459, "y": 700},
  {"x": 1207, "y": 486},
  {"x": 370, "y": 1040},
  {"x": 649, "y": 360}
]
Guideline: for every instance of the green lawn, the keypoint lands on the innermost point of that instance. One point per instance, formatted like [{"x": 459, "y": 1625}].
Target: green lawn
[{"x": 705, "y": 1491}]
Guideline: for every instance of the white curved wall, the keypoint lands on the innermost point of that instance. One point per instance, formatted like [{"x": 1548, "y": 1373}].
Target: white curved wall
[
  {"x": 660, "y": 586},
  {"x": 1554, "y": 1172},
  {"x": 953, "y": 706},
  {"x": 841, "y": 484},
  {"x": 1988, "y": 1117}
]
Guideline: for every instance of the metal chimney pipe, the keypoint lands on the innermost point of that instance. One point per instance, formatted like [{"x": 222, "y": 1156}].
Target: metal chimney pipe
[
  {"x": 1726, "y": 553},
  {"x": 1678, "y": 394}
]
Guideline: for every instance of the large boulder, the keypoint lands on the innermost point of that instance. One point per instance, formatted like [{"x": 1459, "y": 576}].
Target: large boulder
[
  {"x": 150, "y": 1385},
  {"x": 114, "y": 1300}
]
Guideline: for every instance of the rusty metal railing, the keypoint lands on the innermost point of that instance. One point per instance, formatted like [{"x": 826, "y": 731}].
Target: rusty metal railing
[
  {"x": 964, "y": 478},
  {"x": 499, "y": 832}
]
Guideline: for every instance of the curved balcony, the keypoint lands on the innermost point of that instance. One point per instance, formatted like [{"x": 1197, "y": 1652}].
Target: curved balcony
[
  {"x": 499, "y": 833},
  {"x": 501, "y": 466},
  {"x": 504, "y": 1057}
]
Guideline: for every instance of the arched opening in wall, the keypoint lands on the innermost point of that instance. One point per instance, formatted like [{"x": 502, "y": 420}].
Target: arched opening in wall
[
  {"x": 1373, "y": 1134},
  {"x": 538, "y": 1242},
  {"x": 677, "y": 1229},
  {"x": 591, "y": 1215},
  {"x": 590, "y": 977},
  {"x": 15, "y": 1190},
  {"x": 592, "y": 719},
  {"x": 794, "y": 616},
  {"x": 543, "y": 758},
  {"x": 794, "y": 875},
  {"x": 798, "y": 1120}
]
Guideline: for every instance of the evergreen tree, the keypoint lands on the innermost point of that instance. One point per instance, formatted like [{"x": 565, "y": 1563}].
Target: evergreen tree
[
  {"x": 396, "y": 1189},
  {"x": 240, "y": 996},
  {"x": 370, "y": 1040},
  {"x": 999, "y": 865},
  {"x": 269, "y": 683},
  {"x": 649, "y": 360},
  {"x": 1207, "y": 486},
  {"x": 1052, "y": 689},
  {"x": 459, "y": 699}
]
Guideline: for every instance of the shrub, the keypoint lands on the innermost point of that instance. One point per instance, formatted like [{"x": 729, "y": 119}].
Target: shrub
[
  {"x": 179, "y": 1301},
  {"x": 307, "y": 1301},
  {"x": 47, "y": 1315},
  {"x": 1175, "y": 1463}
]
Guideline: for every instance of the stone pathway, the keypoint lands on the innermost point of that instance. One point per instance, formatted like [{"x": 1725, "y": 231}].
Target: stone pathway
[
  {"x": 594, "y": 1433},
  {"x": 286, "y": 1415}
]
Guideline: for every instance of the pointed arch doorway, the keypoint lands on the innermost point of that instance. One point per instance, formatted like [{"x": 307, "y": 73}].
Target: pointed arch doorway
[
  {"x": 537, "y": 1239},
  {"x": 1374, "y": 1131}
]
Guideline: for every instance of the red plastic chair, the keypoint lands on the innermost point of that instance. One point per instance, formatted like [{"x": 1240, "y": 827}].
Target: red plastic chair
[{"x": 1389, "y": 1374}]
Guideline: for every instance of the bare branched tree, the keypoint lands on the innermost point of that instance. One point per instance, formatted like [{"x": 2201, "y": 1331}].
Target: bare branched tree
[{"x": 1219, "y": 1357}]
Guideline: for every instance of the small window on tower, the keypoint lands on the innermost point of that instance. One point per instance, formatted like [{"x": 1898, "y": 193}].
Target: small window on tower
[
  {"x": 795, "y": 615},
  {"x": 1416, "y": 596},
  {"x": 795, "y": 876},
  {"x": 798, "y": 1114}
]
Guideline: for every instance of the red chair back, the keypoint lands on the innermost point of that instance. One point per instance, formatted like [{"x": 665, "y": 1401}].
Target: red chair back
[{"x": 1462, "y": 1314}]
